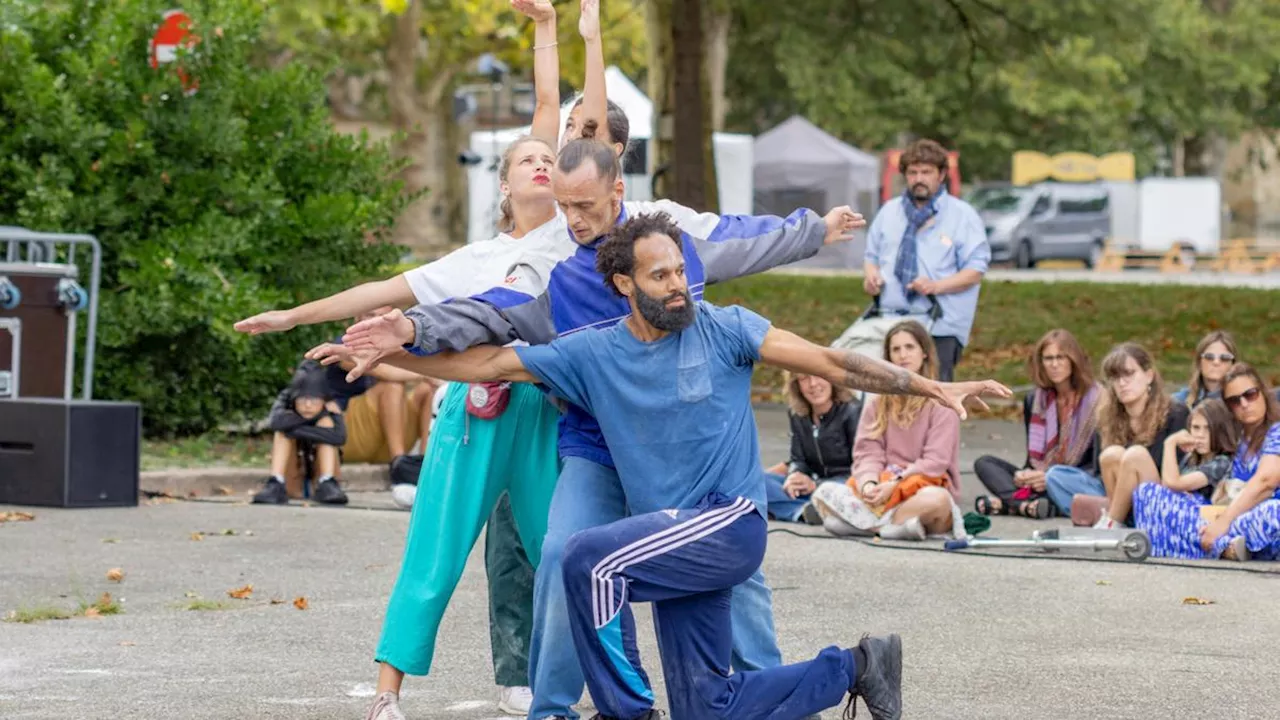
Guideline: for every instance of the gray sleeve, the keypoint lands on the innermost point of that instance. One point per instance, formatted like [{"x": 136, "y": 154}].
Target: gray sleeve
[
  {"x": 732, "y": 246},
  {"x": 482, "y": 320}
]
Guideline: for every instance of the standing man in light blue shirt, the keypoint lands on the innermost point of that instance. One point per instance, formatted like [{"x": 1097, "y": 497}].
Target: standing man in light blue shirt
[{"x": 925, "y": 244}]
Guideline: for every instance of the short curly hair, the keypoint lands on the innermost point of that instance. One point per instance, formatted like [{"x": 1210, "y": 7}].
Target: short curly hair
[
  {"x": 923, "y": 152},
  {"x": 617, "y": 254}
]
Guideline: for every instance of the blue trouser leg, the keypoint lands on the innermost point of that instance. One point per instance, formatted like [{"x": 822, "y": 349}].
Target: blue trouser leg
[
  {"x": 587, "y": 495},
  {"x": 686, "y": 563},
  {"x": 781, "y": 505},
  {"x": 755, "y": 643},
  {"x": 1063, "y": 482}
]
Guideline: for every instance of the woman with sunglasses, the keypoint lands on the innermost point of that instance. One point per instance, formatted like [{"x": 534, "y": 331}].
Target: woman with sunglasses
[
  {"x": 1215, "y": 354},
  {"x": 1255, "y": 513}
]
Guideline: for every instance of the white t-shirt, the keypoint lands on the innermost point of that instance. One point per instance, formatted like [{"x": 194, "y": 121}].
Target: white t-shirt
[{"x": 475, "y": 268}]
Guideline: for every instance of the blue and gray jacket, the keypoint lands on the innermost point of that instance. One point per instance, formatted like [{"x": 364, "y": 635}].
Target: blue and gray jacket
[{"x": 555, "y": 291}]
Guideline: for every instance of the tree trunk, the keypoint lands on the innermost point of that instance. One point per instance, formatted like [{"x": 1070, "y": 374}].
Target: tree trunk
[
  {"x": 689, "y": 119},
  {"x": 407, "y": 117},
  {"x": 720, "y": 17},
  {"x": 658, "y": 26}
]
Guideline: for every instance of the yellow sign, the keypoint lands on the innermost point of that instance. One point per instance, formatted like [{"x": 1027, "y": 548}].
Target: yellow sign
[{"x": 1031, "y": 167}]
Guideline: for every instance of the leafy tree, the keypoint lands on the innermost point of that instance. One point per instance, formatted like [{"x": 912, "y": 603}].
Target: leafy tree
[{"x": 210, "y": 206}]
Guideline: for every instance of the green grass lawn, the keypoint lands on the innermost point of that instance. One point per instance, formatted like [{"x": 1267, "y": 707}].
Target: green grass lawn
[
  {"x": 214, "y": 449},
  {"x": 1168, "y": 320}
]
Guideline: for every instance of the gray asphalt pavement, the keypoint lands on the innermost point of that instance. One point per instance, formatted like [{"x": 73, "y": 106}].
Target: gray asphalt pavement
[{"x": 985, "y": 637}]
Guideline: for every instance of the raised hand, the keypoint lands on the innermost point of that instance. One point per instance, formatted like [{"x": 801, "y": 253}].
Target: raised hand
[
  {"x": 270, "y": 321},
  {"x": 536, "y": 10},
  {"x": 955, "y": 395},
  {"x": 589, "y": 21},
  {"x": 385, "y": 333},
  {"x": 841, "y": 222}
]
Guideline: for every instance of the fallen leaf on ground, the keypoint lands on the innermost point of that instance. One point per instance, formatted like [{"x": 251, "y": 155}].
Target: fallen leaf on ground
[
  {"x": 191, "y": 594},
  {"x": 222, "y": 490},
  {"x": 115, "y": 574},
  {"x": 300, "y": 603},
  {"x": 277, "y": 601},
  {"x": 227, "y": 531},
  {"x": 241, "y": 593},
  {"x": 249, "y": 533},
  {"x": 1101, "y": 582},
  {"x": 197, "y": 536},
  {"x": 1196, "y": 601},
  {"x": 110, "y": 541},
  {"x": 16, "y": 516},
  {"x": 127, "y": 643},
  {"x": 92, "y": 612}
]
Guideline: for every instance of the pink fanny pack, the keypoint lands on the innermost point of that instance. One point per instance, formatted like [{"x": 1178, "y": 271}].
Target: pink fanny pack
[{"x": 488, "y": 400}]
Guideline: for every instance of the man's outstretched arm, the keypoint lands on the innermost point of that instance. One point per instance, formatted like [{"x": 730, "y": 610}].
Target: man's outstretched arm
[
  {"x": 859, "y": 372},
  {"x": 484, "y": 363}
]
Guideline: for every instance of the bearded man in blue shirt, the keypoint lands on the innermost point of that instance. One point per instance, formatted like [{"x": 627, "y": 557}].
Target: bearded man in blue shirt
[{"x": 670, "y": 387}]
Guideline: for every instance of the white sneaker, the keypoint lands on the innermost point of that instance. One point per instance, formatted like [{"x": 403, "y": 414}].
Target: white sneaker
[
  {"x": 515, "y": 700},
  {"x": 404, "y": 494},
  {"x": 386, "y": 707},
  {"x": 912, "y": 529},
  {"x": 838, "y": 500},
  {"x": 1106, "y": 523}
]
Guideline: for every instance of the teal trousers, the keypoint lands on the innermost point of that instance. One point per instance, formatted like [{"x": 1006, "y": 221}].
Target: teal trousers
[{"x": 470, "y": 463}]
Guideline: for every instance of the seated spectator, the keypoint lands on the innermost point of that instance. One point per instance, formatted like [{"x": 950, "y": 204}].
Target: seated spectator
[
  {"x": 906, "y": 458},
  {"x": 306, "y": 420},
  {"x": 1248, "y": 527},
  {"x": 1215, "y": 354},
  {"x": 1059, "y": 418},
  {"x": 824, "y": 422},
  {"x": 382, "y": 413},
  {"x": 1167, "y": 508},
  {"x": 1135, "y": 415}
]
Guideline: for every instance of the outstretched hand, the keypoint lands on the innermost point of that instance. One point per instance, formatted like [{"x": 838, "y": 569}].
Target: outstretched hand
[
  {"x": 841, "y": 222},
  {"x": 384, "y": 333},
  {"x": 333, "y": 353},
  {"x": 589, "y": 21},
  {"x": 956, "y": 395},
  {"x": 270, "y": 321},
  {"x": 536, "y": 10}
]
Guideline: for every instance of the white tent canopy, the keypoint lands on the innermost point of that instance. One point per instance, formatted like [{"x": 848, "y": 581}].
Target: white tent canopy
[
  {"x": 798, "y": 165},
  {"x": 733, "y": 158}
]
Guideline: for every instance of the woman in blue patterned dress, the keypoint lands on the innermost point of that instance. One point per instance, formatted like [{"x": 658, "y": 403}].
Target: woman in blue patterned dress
[
  {"x": 1167, "y": 507},
  {"x": 1249, "y": 527}
]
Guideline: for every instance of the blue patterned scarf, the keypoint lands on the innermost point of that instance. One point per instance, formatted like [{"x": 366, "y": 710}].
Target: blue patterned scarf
[{"x": 907, "y": 269}]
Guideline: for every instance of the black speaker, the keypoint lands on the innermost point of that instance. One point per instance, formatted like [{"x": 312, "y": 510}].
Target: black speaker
[{"x": 69, "y": 453}]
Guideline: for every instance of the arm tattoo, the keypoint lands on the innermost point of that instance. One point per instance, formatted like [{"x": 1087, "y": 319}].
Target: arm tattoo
[{"x": 877, "y": 376}]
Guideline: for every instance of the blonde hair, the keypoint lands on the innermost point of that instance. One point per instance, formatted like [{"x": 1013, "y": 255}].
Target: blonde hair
[
  {"x": 796, "y": 400},
  {"x": 1113, "y": 420},
  {"x": 902, "y": 410},
  {"x": 507, "y": 221}
]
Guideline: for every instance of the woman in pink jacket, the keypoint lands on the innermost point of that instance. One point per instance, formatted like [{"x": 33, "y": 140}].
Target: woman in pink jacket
[{"x": 906, "y": 460}]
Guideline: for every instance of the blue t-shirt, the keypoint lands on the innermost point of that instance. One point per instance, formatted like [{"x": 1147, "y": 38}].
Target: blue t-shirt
[
  {"x": 676, "y": 413},
  {"x": 1246, "y": 463}
]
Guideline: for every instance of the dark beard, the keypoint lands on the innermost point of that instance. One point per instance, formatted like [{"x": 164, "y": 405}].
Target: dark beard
[
  {"x": 656, "y": 313},
  {"x": 920, "y": 191}
]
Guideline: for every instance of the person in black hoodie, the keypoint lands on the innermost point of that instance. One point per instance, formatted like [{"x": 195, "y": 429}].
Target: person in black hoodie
[
  {"x": 824, "y": 420},
  {"x": 305, "y": 416}
]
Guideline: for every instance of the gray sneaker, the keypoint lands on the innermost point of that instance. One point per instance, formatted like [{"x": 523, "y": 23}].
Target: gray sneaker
[
  {"x": 879, "y": 684},
  {"x": 386, "y": 707}
]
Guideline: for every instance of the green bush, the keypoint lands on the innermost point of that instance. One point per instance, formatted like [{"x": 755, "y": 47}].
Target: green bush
[{"x": 210, "y": 206}]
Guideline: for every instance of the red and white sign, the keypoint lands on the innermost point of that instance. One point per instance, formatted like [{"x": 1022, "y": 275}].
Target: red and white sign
[{"x": 174, "y": 32}]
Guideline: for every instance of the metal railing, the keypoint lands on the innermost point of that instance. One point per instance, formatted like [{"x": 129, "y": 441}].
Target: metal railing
[{"x": 41, "y": 253}]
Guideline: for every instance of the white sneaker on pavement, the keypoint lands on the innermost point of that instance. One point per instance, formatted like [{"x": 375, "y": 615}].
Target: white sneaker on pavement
[
  {"x": 404, "y": 494},
  {"x": 515, "y": 700},
  {"x": 386, "y": 707}
]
